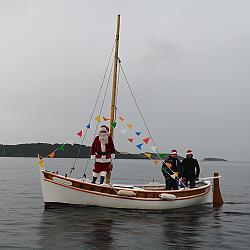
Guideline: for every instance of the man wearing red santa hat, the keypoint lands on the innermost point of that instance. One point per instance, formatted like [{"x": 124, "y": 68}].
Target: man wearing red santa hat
[{"x": 103, "y": 152}]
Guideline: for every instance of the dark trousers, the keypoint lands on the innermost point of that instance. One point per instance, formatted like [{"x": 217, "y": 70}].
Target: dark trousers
[
  {"x": 170, "y": 182},
  {"x": 191, "y": 180}
]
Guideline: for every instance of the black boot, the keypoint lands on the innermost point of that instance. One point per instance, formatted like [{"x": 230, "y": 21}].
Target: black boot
[
  {"x": 94, "y": 180},
  {"x": 102, "y": 179}
]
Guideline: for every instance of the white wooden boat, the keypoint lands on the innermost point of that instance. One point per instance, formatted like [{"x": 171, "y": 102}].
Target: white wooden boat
[
  {"x": 64, "y": 190},
  {"x": 61, "y": 189}
]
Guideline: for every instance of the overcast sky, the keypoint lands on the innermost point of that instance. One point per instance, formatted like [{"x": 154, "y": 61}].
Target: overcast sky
[{"x": 188, "y": 63}]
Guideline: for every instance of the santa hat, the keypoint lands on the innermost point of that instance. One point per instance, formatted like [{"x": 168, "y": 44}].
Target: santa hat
[
  {"x": 173, "y": 152},
  {"x": 104, "y": 128},
  {"x": 189, "y": 152}
]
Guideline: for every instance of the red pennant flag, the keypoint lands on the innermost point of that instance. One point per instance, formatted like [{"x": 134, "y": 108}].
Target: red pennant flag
[
  {"x": 121, "y": 118},
  {"x": 105, "y": 118},
  {"x": 146, "y": 140},
  {"x": 52, "y": 155},
  {"x": 80, "y": 133},
  {"x": 130, "y": 139}
]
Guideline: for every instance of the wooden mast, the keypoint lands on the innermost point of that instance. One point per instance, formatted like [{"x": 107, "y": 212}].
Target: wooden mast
[{"x": 113, "y": 100}]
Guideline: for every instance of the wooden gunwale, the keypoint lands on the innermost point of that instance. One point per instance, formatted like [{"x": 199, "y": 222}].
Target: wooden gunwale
[{"x": 141, "y": 194}]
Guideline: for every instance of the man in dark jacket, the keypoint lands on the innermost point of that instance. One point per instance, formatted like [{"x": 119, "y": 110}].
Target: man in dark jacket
[
  {"x": 172, "y": 165},
  {"x": 191, "y": 169}
]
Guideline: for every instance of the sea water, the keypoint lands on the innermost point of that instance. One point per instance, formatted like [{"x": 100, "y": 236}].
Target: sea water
[{"x": 25, "y": 224}]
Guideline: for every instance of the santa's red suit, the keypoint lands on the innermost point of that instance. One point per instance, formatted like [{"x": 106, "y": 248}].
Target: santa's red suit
[{"x": 102, "y": 153}]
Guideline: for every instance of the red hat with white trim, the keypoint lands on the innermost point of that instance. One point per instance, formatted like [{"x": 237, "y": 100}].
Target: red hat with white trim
[
  {"x": 104, "y": 128},
  {"x": 173, "y": 152},
  {"x": 189, "y": 152}
]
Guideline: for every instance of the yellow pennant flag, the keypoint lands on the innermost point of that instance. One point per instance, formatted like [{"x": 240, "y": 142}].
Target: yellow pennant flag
[
  {"x": 130, "y": 125},
  {"x": 52, "y": 155},
  {"x": 148, "y": 155},
  {"x": 41, "y": 163},
  {"x": 98, "y": 118}
]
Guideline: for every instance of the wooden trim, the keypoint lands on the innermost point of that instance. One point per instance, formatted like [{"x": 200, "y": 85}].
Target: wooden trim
[{"x": 140, "y": 194}]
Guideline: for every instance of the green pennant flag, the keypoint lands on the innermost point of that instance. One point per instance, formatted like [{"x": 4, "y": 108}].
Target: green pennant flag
[
  {"x": 113, "y": 124},
  {"x": 163, "y": 156},
  {"x": 61, "y": 147}
]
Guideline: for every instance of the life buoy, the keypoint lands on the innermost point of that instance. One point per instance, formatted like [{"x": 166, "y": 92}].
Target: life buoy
[
  {"x": 169, "y": 197},
  {"x": 126, "y": 193}
]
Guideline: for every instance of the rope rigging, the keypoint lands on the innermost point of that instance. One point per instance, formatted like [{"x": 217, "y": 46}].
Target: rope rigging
[{"x": 94, "y": 108}]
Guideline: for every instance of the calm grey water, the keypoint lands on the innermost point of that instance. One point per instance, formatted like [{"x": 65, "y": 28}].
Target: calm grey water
[{"x": 24, "y": 224}]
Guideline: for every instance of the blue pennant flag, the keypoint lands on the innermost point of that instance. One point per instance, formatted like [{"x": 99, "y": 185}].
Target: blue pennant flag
[
  {"x": 138, "y": 132},
  {"x": 139, "y": 146},
  {"x": 88, "y": 126}
]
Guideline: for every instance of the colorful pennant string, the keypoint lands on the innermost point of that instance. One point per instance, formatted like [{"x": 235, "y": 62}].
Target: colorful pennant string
[
  {"x": 146, "y": 140},
  {"x": 131, "y": 139},
  {"x": 138, "y": 133},
  {"x": 129, "y": 125},
  {"x": 105, "y": 118},
  {"x": 61, "y": 147},
  {"x": 121, "y": 118},
  {"x": 52, "y": 155},
  {"x": 139, "y": 146},
  {"x": 163, "y": 155},
  {"x": 41, "y": 163},
  {"x": 80, "y": 133},
  {"x": 98, "y": 118},
  {"x": 154, "y": 148},
  {"x": 113, "y": 124},
  {"x": 148, "y": 155},
  {"x": 88, "y": 126}
]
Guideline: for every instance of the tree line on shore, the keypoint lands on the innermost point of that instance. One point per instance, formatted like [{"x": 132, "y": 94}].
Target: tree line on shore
[{"x": 44, "y": 149}]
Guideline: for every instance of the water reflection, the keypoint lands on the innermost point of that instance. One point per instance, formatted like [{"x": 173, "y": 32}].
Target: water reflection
[{"x": 100, "y": 228}]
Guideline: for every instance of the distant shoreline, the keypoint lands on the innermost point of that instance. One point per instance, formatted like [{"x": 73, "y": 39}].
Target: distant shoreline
[
  {"x": 31, "y": 150},
  {"x": 214, "y": 159}
]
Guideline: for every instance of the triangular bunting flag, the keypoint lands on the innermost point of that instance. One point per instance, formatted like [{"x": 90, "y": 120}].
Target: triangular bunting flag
[
  {"x": 139, "y": 146},
  {"x": 113, "y": 124},
  {"x": 41, "y": 163},
  {"x": 156, "y": 162},
  {"x": 124, "y": 131},
  {"x": 138, "y": 133},
  {"x": 61, "y": 147},
  {"x": 154, "y": 148},
  {"x": 163, "y": 156},
  {"x": 146, "y": 140},
  {"x": 98, "y": 118},
  {"x": 131, "y": 139},
  {"x": 52, "y": 155},
  {"x": 80, "y": 133},
  {"x": 105, "y": 118},
  {"x": 148, "y": 155},
  {"x": 121, "y": 118},
  {"x": 129, "y": 125},
  {"x": 88, "y": 126}
]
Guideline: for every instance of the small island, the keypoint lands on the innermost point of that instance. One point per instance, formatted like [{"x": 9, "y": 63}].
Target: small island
[{"x": 213, "y": 159}]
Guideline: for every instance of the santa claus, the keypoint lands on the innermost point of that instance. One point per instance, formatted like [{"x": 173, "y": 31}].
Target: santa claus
[{"x": 103, "y": 152}]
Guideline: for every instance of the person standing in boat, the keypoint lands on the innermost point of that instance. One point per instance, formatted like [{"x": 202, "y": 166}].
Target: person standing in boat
[
  {"x": 103, "y": 152},
  {"x": 172, "y": 165},
  {"x": 191, "y": 169}
]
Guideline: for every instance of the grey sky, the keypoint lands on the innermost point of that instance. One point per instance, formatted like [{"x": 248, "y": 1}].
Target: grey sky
[{"x": 187, "y": 62}]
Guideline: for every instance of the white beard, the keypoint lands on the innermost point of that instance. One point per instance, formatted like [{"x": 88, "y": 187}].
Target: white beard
[{"x": 104, "y": 139}]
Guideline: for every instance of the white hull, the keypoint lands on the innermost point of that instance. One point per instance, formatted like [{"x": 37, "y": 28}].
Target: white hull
[{"x": 56, "y": 192}]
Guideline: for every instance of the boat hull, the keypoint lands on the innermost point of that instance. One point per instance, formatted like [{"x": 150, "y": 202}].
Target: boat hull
[{"x": 61, "y": 190}]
